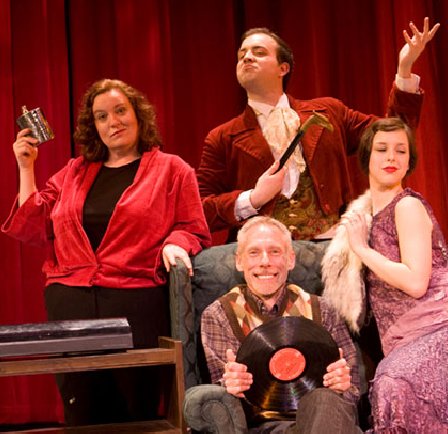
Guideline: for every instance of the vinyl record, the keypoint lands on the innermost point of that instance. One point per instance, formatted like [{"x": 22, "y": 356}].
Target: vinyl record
[{"x": 287, "y": 357}]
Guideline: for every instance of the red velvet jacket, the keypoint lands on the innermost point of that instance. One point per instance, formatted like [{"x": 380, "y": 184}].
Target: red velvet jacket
[
  {"x": 236, "y": 154},
  {"x": 162, "y": 206}
]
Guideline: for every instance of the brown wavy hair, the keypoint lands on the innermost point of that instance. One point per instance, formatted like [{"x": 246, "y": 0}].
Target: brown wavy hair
[
  {"x": 385, "y": 124},
  {"x": 86, "y": 134}
]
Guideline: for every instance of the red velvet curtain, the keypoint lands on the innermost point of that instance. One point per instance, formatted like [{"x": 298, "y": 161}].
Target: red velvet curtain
[{"x": 182, "y": 54}]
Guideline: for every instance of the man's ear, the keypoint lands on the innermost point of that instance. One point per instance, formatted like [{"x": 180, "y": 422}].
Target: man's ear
[
  {"x": 291, "y": 260},
  {"x": 284, "y": 69},
  {"x": 238, "y": 264}
]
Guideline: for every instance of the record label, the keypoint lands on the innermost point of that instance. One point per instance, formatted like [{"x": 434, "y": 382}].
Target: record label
[
  {"x": 287, "y": 364},
  {"x": 287, "y": 357}
]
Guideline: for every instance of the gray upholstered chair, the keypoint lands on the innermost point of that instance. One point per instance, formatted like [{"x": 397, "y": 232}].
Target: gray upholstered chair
[{"x": 209, "y": 408}]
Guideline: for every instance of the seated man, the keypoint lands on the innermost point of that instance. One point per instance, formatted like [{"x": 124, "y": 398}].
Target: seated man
[{"x": 265, "y": 255}]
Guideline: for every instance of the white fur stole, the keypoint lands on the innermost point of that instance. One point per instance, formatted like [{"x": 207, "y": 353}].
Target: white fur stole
[{"x": 342, "y": 269}]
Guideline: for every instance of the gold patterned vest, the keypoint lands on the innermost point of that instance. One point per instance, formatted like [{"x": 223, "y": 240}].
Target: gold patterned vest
[{"x": 302, "y": 214}]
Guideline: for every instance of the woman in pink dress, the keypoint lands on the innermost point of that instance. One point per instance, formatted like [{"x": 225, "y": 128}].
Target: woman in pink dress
[{"x": 392, "y": 233}]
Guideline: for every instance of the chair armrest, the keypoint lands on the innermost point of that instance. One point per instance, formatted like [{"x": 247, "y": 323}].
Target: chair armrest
[
  {"x": 182, "y": 320},
  {"x": 210, "y": 408}
]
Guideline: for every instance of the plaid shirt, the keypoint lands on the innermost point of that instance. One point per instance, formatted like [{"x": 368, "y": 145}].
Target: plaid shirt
[{"x": 217, "y": 337}]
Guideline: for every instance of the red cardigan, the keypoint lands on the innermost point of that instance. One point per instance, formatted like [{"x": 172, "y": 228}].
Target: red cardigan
[
  {"x": 236, "y": 154},
  {"x": 161, "y": 206}
]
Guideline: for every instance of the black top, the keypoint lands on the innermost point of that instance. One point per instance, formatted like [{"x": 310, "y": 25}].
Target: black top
[{"x": 102, "y": 198}]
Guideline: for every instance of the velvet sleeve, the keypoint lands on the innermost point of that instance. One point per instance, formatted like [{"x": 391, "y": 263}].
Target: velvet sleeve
[
  {"x": 353, "y": 123},
  {"x": 406, "y": 105},
  {"x": 190, "y": 230},
  {"x": 215, "y": 184},
  {"x": 31, "y": 223}
]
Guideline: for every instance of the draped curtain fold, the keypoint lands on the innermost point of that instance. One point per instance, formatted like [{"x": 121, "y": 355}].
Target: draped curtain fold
[{"x": 182, "y": 55}]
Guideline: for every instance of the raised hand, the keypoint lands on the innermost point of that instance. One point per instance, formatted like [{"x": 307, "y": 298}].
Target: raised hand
[
  {"x": 414, "y": 46},
  {"x": 25, "y": 149}
]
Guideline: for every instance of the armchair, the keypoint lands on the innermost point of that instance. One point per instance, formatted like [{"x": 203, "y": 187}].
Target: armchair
[
  {"x": 208, "y": 407},
  {"x": 214, "y": 274}
]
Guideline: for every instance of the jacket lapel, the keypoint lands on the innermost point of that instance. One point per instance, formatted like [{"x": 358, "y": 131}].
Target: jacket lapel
[
  {"x": 312, "y": 136},
  {"x": 248, "y": 138}
]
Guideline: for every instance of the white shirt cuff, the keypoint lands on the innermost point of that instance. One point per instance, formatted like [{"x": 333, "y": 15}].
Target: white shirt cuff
[
  {"x": 243, "y": 207},
  {"x": 411, "y": 84}
]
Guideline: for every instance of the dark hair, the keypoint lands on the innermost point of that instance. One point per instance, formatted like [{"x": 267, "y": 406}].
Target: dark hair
[
  {"x": 385, "y": 124},
  {"x": 86, "y": 134},
  {"x": 284, "y": 52}
]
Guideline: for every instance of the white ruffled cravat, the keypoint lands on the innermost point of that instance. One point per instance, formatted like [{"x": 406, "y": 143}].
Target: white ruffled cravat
[{"x": 279, "y": 130}]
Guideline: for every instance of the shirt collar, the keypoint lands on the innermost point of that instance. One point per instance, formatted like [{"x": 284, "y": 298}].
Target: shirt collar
[
  {"x": 262, "y": 307},
  {"x": 261, "y": 108}
]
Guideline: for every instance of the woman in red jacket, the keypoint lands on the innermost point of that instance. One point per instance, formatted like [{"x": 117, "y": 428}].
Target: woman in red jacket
[{"x": 112, "y": 221}]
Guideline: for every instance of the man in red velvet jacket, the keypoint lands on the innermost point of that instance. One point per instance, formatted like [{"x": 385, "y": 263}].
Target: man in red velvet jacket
[{"x": 237, "y": 178}]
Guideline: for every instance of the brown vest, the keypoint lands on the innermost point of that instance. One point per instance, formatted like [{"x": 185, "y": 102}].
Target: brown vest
[{"x": 244, "y": 315}]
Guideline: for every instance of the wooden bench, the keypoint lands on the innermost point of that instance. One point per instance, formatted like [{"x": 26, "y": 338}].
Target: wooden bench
[{"x": 168, "y": 353}]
